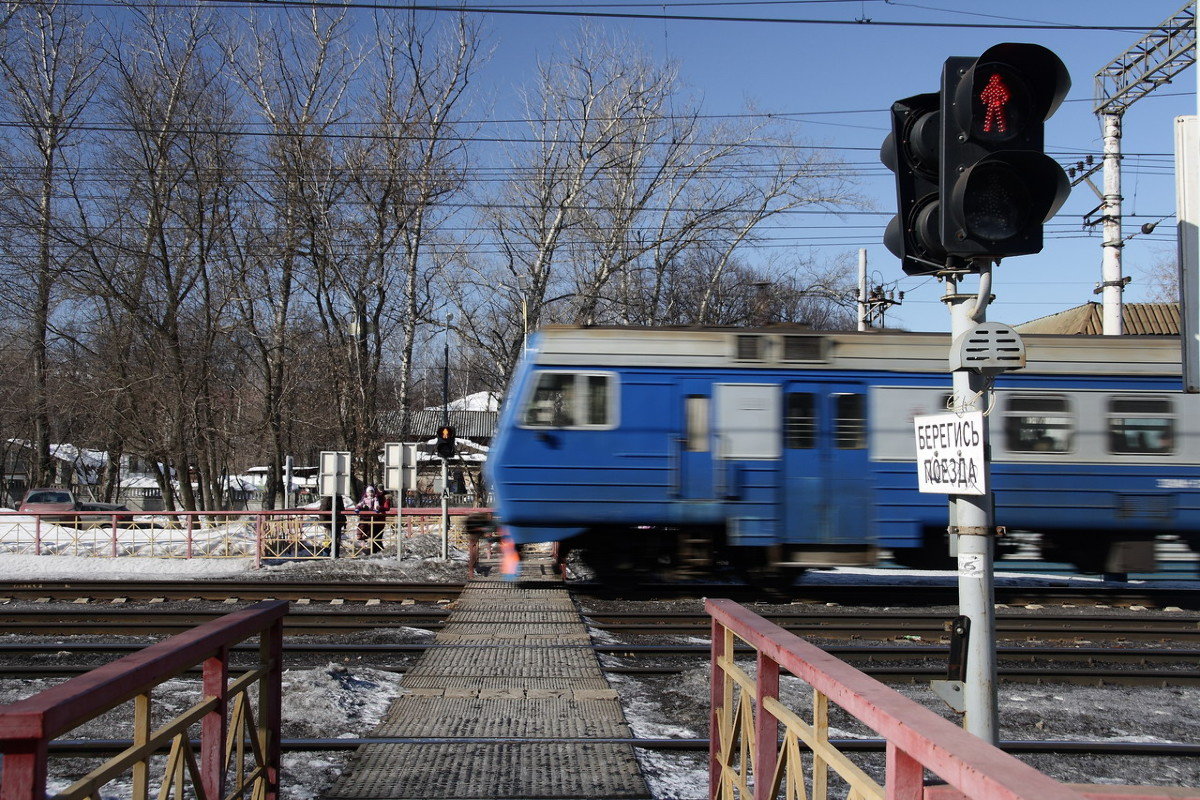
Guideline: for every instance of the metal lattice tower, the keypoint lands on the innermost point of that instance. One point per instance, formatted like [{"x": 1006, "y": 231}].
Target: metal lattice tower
[{"x": 1153, "y": 61}]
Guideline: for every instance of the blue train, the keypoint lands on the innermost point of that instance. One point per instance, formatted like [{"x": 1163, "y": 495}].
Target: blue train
[{"x": 769, "y": 450}]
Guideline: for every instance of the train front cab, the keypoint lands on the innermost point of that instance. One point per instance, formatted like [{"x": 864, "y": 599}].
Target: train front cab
[{"x": 652, "y": 465}]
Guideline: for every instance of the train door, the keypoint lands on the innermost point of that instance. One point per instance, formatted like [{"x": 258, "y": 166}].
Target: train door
[
  {"x": 693, "y": 448},
  {"x": 746, "y": 423},
  {"x": 827, "y": 497}
]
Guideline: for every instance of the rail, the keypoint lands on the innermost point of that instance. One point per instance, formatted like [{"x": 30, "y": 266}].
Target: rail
[
  {"x": 239, "y": 748},
  {"x": 748, "y": 760},
  {"x": 261, "y": 535}
]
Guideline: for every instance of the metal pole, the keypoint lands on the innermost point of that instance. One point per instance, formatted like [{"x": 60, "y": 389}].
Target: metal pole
[
  {"x": 971, "y": 521},
  {"x": 446, "y": 460},
  {"x": 862, "y": 289},
  {"x": 1112, "y": 285},
  {"x": 288, "y": 465}
]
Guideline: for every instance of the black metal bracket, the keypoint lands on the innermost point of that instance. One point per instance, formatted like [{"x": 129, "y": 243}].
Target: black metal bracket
[{"x": 960, "y": 634}]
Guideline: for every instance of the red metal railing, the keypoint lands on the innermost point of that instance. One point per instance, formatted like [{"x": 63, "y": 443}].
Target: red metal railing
[
  {"x": 230, "y": 730},
  {"x": 220, "y": 534},
  {"x": 747, "y": 760}
]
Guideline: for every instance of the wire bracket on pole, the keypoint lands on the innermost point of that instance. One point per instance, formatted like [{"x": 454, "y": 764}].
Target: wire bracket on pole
[
  {"x": 1120, "y": 284},
  {"x": 975, "y": 530}
]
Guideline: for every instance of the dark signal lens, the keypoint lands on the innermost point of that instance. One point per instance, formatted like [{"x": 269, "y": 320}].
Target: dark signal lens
[{"x": 996, "y": 202}]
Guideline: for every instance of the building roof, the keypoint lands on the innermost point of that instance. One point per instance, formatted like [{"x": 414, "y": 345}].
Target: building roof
[
  {"x": 1137, "y": 319},
  {"x": 467, "y": 424}
]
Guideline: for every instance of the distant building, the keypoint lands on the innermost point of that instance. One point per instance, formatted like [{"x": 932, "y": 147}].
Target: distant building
[{"x": 1137, "y": 319}]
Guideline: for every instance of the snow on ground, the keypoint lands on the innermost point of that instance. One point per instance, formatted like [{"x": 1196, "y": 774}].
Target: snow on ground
[{"x": 63, "y": 568}]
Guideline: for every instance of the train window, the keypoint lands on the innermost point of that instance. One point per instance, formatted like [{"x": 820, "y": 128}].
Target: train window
[
  {"x": 750, "y": 348},
  {"x": 596, "y": 400},
  {"x": 850, "y": 432},
  {"x": 1141, "y": 425},
  {"x": 570, "y": 400},
  {"x": 800, "y": 424},
  {"x": 1038, "y": 424},
  {"x": 696, "y": 412}
]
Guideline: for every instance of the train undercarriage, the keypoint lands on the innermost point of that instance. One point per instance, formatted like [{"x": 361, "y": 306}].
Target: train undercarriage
[{"x": 629, "y": 554}]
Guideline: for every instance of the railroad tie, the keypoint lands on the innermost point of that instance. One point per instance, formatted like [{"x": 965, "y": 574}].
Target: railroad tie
[{"x": 513, "y": 705}]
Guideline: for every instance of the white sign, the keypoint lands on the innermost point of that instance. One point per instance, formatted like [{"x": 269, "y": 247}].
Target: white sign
[
  {"x": 950, "y": 453},
  {"x": 334, "y": 476},
  {"x": 399, "y": 466}
]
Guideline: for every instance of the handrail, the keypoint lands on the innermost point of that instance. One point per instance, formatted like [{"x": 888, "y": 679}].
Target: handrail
[
  {"x": 27, "y": 726},
  {"x": 286, "y": 533},
  {"x": 746, "y": 760}
]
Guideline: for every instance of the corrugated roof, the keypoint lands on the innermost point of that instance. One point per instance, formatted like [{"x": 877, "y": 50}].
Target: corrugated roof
[
  {"x": 1137, "y": 319},
  {"x": 470, "y": 424}
]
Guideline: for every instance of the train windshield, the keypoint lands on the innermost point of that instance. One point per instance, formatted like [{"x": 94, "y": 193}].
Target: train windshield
[{"x": 570, "y": 400}]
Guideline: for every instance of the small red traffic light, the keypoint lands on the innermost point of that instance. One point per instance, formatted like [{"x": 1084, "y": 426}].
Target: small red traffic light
[{"x": 445, "y": 441}]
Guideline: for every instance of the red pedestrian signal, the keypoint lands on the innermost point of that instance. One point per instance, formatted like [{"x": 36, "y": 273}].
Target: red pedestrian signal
[{"x": 997, "y": 185}]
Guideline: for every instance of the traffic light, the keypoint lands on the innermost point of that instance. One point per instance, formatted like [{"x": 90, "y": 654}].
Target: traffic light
[
  {"x": 997, "y": 185},
  {"x": 912, "y": 151},
  {"x": 445, "y": 441}
]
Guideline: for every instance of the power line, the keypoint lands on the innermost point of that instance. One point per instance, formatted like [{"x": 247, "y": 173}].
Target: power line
[{"x": 542, "y": 12}]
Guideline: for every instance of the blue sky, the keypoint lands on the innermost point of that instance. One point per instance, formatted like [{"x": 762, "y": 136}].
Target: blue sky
[{"x": 839, "y": 80}]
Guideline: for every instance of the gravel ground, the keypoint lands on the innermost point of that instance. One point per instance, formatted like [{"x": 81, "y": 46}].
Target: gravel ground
[
  {"x": 677, "y": 705},
  {"x": 347, "y": 698}
]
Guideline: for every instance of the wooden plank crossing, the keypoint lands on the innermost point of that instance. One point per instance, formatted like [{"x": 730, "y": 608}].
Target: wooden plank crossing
[{"x": 504, "y": 711}]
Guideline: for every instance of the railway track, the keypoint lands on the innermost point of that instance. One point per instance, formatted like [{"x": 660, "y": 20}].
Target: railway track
[
  {"x": 939, "y": 591},
  {"x": 867, "y": 593},
  {"x": 889, "y": 664},
  {"x": 225, "y": 591},
  {"x": 78, "y": 619},
  {"x": 99, "y": 747}
]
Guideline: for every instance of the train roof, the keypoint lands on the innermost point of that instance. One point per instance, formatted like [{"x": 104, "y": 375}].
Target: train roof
[{"x": 788, "y": 347}]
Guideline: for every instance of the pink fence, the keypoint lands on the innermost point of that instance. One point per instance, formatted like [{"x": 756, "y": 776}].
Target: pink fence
[
  {"x": 222, "y": 534},
  {"x": 239, "y": 746},
  {"x": 747, "y": 758}
]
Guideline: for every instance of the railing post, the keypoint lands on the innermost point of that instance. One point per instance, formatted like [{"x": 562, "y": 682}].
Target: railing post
[
  {"x": 189, "y": 535},
  {"x": 25, "y": 771},
  {"x": 116, "y": 551},
  {"x": 258, "y": 539},
  {"x": 766, "y": 728},
  {"x": 270, "y": 715},
  {"x": 905, "y": 777},
  {"x": 37, "y": 534},
  {"x": 214, "y": 727},
  {"x": 141, "y": 735},
  {"x": 715, "y": 707}
]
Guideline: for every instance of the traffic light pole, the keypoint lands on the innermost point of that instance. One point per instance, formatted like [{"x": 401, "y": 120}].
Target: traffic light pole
[
  {"x": 972, "y": 524},
  {"x": 446, "y": 458}
]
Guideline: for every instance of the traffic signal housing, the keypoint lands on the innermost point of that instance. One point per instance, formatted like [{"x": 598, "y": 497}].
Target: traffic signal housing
[
  {"x": 912, "y": 151},
  {"x": 445, "y": 441},
  {"x": 997, "y": 185}
]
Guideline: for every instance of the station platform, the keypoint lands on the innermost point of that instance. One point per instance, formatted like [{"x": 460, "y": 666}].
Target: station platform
[{"x": 509, "y": 703}]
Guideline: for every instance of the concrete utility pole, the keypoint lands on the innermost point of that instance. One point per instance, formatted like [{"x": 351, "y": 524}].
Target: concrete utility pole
[
  {"x": 862, "y": 289},
  {"x": 1152, "y": 61},
  {"x": 1112, "y": 285}
]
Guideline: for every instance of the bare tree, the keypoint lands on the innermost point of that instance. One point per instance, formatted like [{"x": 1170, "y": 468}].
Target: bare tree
[
  {"x": 49, "y": 76},
  {"x": 156, "y": 241},
  {"x": 297, "y": 79},
  {"x": 625, "y": 197}
]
